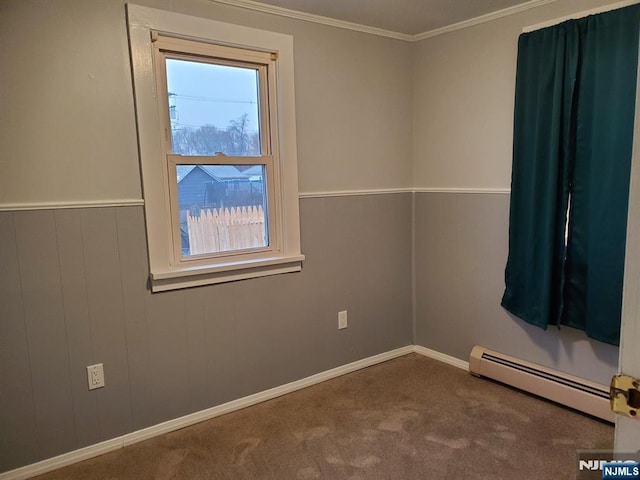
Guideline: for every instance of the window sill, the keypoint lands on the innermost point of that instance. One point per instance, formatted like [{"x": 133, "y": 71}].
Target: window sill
[{"x": 193, "y": 276}]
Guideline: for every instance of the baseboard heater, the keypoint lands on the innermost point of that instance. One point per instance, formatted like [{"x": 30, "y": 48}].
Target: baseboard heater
[{"x": 574, "y": 392}]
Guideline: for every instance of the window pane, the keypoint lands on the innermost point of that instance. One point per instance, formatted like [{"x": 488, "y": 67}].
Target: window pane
[
  {"x": 222, "y": 208},
  {"x": 213, "y": 108}
]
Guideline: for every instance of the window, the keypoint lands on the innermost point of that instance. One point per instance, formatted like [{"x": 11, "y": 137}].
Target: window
[
  {"x": 217, "y": 147},
  {"x": 215, "y": 102}
]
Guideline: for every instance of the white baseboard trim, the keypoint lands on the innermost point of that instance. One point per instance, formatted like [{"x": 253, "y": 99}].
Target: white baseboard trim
[
  {"x": 101, "y": 448},
  {"x": 427, "y": 352},
  {"x": 260, "y": 397},
  {"x": 63, "y": 460}
]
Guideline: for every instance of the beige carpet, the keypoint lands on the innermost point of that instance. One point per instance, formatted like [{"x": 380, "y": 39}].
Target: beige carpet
[{"x": 409, "y": 418}]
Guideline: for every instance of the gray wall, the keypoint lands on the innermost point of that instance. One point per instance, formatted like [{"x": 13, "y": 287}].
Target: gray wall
[
  {"x": 73, "y": 282},
  {"x": 461, "y": 249},
  {"x": 371, "y": 113},
  {"x": 463, "y": 94},
  {"x": 73, "y": 292},
  {"x": 462, "y": 111},
  {"x": 68, "y": 123}
]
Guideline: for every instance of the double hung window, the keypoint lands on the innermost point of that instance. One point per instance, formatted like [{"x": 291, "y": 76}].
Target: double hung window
[
  {"x": 217, "y": 146},
  {"x": 215, "y": 102}
]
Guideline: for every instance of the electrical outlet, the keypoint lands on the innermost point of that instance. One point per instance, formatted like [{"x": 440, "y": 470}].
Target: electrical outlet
[
  {"x": 342, "y": 320},
  {"x": 95, "y": 376}
]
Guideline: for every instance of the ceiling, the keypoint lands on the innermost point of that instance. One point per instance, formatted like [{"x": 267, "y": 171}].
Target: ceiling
[{"x": 408, "y": 17}]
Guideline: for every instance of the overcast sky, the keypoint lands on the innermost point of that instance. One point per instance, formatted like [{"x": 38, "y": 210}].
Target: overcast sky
[{"x": 212, "y": 94}]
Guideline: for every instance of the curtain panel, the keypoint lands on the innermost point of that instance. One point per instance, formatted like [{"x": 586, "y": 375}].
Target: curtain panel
[{"x": 573, "y": 136}]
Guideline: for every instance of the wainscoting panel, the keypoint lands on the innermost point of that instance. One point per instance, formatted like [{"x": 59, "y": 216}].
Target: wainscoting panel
[
  {"x": 44, "y": 316},
  {"x": 103, "y": 270},
  {"x": 134, "y": 267},
  {"x": 74, "y": 291},
  {"x": 18, "y": 435},
  {"x": 461, "y": 245},
  {"x": 77, "y": 322}
]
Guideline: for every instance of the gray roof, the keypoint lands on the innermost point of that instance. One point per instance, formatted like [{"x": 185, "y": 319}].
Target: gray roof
[{"x": 222, "y": 173}]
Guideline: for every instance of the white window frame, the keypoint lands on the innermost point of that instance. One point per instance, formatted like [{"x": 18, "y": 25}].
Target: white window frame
[
  {"x": 167, "y": 271},
  {"x": 264, "y": 63}
]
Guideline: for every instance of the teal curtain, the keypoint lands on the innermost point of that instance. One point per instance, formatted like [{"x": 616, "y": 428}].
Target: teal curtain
[{"x": 573, "y": 135}]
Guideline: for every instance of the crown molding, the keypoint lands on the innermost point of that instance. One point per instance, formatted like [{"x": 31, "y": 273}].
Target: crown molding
[
  {"x": 332, "y": 22},
  {"x": 577, "y": 15},
  {"x": 310, "y": 17},
  {"x": 505, "y": 12}
]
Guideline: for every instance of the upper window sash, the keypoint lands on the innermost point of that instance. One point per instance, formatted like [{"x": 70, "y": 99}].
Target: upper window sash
[{"x": 166, "y": 47}]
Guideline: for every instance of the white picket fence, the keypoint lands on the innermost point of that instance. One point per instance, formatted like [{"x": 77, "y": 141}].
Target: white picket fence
[{"x": 225, "y": 230}]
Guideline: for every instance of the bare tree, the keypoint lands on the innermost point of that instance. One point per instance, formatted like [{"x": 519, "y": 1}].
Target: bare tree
[{"x": 236, "y": 139}]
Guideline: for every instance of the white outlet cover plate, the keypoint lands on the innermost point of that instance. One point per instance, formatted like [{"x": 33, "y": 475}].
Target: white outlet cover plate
[
  {"x": 342, "y": 319},
  {"x": 95, "y": 376}
]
